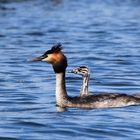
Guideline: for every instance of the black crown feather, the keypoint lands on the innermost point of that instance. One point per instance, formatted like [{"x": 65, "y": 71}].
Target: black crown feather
[{"x": 56, "y": 48}]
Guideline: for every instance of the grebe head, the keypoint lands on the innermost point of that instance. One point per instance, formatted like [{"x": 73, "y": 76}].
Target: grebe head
[
  {"x": 55, "y": 57},
  {"x": 82, "y": 70}
]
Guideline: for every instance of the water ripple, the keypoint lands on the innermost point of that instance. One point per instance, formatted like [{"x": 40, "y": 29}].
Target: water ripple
[{"x": 104, "y": 35}]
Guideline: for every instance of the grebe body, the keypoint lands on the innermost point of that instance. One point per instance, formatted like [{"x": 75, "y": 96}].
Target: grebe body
[{"x": 58, "y": 60}]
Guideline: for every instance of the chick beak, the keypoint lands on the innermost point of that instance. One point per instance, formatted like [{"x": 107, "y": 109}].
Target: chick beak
[{"x": 71, "y": 71}]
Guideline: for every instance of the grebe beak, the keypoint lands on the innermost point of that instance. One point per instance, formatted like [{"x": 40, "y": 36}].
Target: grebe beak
[{"x": 40, "y": 58}]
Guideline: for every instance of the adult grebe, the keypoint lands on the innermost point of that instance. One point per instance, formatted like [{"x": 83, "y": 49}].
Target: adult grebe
[
  {"x": 58, "y": 60},
  {"x": 85, "y": 73}
]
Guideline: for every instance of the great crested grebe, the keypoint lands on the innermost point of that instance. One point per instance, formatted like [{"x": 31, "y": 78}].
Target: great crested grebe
[
  {"x": 85, "y": 73},
  {"x": 58, "y": 60}
]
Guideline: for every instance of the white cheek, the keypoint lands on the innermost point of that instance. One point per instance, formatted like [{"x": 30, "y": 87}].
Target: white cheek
[
  {"x": 48, "y": 59},
  {"x": 45, "y": 59}
]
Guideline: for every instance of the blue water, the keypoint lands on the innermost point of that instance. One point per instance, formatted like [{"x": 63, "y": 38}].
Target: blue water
[{"x": 104, "y": 35}]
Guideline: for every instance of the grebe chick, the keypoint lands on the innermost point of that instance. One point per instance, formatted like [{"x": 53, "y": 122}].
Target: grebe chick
[
  {"x": 85, "y": 73},
  {"x": 58, "y": 60}
]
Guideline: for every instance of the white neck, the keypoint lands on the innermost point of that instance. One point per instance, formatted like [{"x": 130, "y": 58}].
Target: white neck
[
  {"x": 84, "y": 89},
  {"x": 61, "y": 93}
]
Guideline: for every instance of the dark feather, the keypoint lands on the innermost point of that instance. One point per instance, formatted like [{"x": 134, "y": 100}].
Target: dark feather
[{"x": 56, "y": 48}]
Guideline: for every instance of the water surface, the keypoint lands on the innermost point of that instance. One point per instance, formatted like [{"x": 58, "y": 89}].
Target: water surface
[{"x": 104, "y": 35}]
